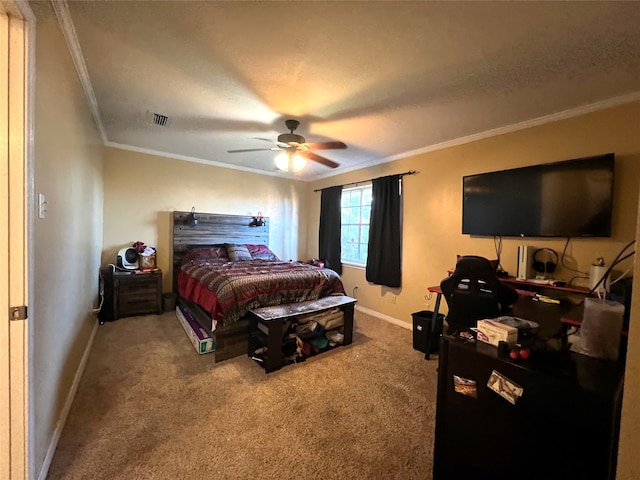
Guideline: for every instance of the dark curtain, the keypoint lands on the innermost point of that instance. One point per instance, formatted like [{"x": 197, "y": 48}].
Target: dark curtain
[
  {"x": 383, "y": 259},
  {"x": 330, "y": 225}
]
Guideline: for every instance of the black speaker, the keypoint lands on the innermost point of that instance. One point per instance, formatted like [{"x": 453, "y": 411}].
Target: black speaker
[{"x": 545, "y": 267}]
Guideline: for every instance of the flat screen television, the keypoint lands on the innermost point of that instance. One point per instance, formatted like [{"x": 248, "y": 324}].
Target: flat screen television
[{"x": 571, "y": 198}]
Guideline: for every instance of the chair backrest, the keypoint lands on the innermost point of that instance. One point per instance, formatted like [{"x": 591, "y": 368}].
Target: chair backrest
[{"x": 474, "y": 292}]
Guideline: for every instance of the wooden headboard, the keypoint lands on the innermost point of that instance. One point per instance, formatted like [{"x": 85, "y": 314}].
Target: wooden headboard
[{"x": 212, "y": 229}]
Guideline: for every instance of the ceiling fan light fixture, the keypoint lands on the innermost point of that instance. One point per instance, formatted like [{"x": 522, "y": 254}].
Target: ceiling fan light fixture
[
  {"x": 288, "y": 162},
  {"x": 298, "y": 163},
  {"x": 295, "y": 151}
]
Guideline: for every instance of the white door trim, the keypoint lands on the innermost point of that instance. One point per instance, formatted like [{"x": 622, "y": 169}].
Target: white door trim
[{"x": 16, "y": 232}]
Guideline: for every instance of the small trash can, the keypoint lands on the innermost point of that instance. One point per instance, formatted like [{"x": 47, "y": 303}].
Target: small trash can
[
  {"x": 169, "y": 302},
  {"x": 423, "y": 339}
]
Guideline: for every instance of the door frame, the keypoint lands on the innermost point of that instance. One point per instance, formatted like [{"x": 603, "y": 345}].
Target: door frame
[{"x": 17, "y": 62}]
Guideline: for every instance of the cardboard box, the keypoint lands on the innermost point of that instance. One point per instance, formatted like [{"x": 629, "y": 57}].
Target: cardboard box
[
  {"x": 199, "y": 337},
  {"x": 493, "y": 332}
]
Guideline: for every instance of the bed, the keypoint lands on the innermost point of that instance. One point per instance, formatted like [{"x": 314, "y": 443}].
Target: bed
[{"x": 223, "y": 268}]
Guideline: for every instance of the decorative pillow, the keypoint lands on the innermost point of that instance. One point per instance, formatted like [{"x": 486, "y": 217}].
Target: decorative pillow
[
  {"x": 261, "y": 252},
  {"x": 206, "y": 254},
  {"x": 237, "y": 252}
]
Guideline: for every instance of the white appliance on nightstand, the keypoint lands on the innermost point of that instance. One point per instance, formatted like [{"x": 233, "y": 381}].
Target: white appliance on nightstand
[{"x": 128, "y": 258}]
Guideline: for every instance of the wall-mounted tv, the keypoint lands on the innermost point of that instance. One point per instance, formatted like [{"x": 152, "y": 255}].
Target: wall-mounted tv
[{"x": 572, "y": 198}]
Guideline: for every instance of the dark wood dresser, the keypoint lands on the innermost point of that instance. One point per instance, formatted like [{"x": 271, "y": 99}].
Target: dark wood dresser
[
  {"x": 131, "y": 293},
  {"x": 565, "y": 424}
]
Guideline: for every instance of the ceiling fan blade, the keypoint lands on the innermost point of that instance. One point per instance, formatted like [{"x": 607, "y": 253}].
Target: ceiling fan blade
[
  {"x": 253, "y": 150},
  {"x": 319, "y": 159},
  {"x": 325, "y": 145},
  {"x": 280, "y": 144}
]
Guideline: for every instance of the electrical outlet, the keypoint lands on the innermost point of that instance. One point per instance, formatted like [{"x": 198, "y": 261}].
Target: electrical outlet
[{"x": 393, "y": 299}]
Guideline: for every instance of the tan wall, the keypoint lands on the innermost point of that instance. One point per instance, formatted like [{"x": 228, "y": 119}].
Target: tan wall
[
  {"x": 432, "y": 220},
  {"x": 142, "y": 190},
  {"x": 433, "y": 204},
  {"x": 68, "y": 170}
]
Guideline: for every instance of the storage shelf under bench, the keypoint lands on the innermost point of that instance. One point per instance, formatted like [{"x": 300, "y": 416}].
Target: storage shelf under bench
[{"x": 272, "y": 329}]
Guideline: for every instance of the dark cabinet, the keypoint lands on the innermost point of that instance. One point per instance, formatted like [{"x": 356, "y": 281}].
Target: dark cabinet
[
  {"x": 565, "y": 425},
  {"x": 130, "y": 293}
]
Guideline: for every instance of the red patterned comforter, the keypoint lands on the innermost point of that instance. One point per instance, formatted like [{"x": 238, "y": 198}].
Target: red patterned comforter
[{"x": 228, "y": 290}]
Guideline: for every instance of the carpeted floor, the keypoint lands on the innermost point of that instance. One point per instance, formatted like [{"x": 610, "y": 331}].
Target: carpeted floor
[{"x": 149, "y": 407}]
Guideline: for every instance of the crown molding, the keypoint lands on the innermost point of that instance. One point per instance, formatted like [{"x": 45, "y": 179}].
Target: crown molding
[
  {"x": 554, "y": 117},
  {"x": 61, "y": 9},
  {"x": 535, "y": 122},
  {"x": 186, "y": 158},
  {"x": 19, "y": 9}
]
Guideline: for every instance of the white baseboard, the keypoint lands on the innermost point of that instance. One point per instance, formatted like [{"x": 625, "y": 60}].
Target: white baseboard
[
  {"x": 46, "y": 463},
  {"x": 384, "y": 317}
]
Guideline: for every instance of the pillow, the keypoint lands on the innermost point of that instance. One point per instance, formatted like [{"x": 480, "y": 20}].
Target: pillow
[
  {"x": 261, "y": 252},
  {"x": 206, "y": 254},
  {"x": 237, "y": 252}
]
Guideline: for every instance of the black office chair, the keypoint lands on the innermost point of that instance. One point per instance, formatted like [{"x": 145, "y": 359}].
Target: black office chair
[{"x": 474, "y": 292}]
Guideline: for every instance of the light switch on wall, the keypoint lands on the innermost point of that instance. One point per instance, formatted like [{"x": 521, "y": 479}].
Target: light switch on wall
[{"x": 42, "y": 206}]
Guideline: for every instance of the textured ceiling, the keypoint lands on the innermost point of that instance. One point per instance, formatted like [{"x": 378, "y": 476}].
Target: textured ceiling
[{"x": 386, "y": 78}]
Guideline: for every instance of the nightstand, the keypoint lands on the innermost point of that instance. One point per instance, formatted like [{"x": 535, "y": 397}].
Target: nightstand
[{"x": 130, "y": 293}]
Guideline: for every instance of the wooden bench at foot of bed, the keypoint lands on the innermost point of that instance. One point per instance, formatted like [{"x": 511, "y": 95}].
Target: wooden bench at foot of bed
[{"x": 273, "y": 319}]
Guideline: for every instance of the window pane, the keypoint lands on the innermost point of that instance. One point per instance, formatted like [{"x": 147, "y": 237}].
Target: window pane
[
  {"x": 364, "y": 234},
  {"x": 366, "y": 196},
  {"x": 344, "y": 216},
  {"x": 354, "y": 199},
  {"x": 355, "y": 212},
  {"x": 350, "y": 236},
  {"x": 350, "y": 252},
  {"x": 354, "y": 217},
  {"x": 344, "y": 239},
  {"x": 349, "y": 216},
  {"x": 365, "y": 214}
]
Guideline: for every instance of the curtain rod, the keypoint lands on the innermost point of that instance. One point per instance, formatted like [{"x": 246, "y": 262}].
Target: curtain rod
[{"x": 410, "y": 172}]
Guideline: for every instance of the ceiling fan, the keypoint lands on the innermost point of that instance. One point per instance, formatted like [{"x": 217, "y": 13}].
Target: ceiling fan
[{"x": 296, "y": 149}]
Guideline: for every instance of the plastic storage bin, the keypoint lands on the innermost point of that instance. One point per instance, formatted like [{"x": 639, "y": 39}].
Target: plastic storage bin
[{"x": 424, "y": 340}]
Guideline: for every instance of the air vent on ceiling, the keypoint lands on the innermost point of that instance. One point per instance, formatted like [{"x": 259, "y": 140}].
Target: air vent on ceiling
[
  {"x": 158, "y": 119},
  {"x": 161, "y": 120}
]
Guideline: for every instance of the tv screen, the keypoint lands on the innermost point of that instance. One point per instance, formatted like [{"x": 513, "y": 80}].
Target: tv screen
[{"x": 572, "y": 198}]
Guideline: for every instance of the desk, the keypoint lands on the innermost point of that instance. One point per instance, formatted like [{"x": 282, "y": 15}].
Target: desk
[{"x": 553, "y": 319}]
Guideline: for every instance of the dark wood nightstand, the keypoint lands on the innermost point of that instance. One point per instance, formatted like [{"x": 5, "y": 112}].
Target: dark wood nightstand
[{"x": 131, "y": 293}]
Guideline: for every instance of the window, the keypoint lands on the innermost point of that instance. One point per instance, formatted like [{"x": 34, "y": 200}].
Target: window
[{"x": 355, "y": 210}]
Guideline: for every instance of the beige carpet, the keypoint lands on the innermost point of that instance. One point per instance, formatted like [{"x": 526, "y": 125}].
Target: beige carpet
[{"x": 149, "y": 407}]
